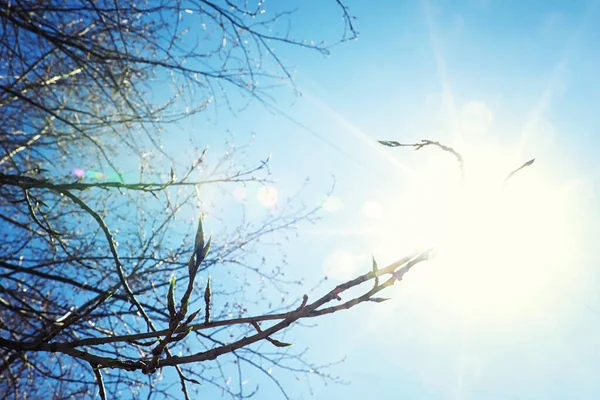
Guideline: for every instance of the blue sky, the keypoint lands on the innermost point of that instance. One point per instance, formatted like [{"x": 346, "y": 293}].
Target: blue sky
[{"x": 510, "y": 307}]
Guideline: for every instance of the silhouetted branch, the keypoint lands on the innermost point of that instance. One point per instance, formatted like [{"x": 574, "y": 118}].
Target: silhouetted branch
[
  {"x": 397, "y": 270},
  {"x": 526, "y": 164},
  {"x": 424, "y": 143},
  {"x": 88, "y": 88},
  {"x": 100, "y": 381}
]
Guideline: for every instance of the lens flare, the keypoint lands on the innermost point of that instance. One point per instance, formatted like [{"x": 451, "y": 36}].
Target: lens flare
[{"x": 268, "y": 196}]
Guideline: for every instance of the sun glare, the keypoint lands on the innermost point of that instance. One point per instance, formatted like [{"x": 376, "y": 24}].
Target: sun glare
[
  {"x": 332, "y": 204},
  {"x": 498, "y": 246},
  {"x": 373, "y": 209},
  {"x": 268, "y": 196}
]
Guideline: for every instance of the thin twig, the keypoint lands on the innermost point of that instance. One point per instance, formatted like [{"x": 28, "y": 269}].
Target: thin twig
[
  {"x": 113, "y": 250},
  {"x": 425, "y": 142},
  {"x": 526, "y": 164}
]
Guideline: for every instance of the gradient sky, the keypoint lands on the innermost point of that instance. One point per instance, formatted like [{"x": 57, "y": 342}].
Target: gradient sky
[{"x": 510, "y": 308}]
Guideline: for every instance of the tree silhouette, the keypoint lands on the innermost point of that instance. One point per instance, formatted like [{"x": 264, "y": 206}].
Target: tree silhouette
[{"x": 89, "y": 257}]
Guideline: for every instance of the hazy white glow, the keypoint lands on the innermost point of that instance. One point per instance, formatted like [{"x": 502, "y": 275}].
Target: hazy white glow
[
  {"x": 373, "y": 209},
  {"x": 332, "y": 204},
  {"x": 240, "y": 193},
  {"x": 343, "y": 265},
  {"x": 498, "y": 246},
  {"x": 268, "y": 196},
  {"x": 476, "y": 117}
]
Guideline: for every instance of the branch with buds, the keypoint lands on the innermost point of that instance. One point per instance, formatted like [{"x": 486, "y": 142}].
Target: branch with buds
[
  {"x": 178, "y": 328},
  {"x": 394, "y": 272},
  {"x": 447, "y": 149}
]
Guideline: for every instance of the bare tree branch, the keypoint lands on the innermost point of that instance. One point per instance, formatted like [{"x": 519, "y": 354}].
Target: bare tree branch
[
  {"x": 88, "y": 92},
  {"x": 526, "y": 164},
  {"x": 424, "y": 143}
]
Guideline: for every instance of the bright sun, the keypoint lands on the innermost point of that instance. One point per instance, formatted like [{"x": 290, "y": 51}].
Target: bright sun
[{"x": 498, "y": 246}]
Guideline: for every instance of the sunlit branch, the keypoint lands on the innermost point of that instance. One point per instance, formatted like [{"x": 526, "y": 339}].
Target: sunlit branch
[
  {"x": 526, "y": 164},
  {"x": 100, "y": 380},
  {"x": 397, "y": 270},
  {"x": 27, "y": 182},
  {"x": 424, "y": 143}
]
